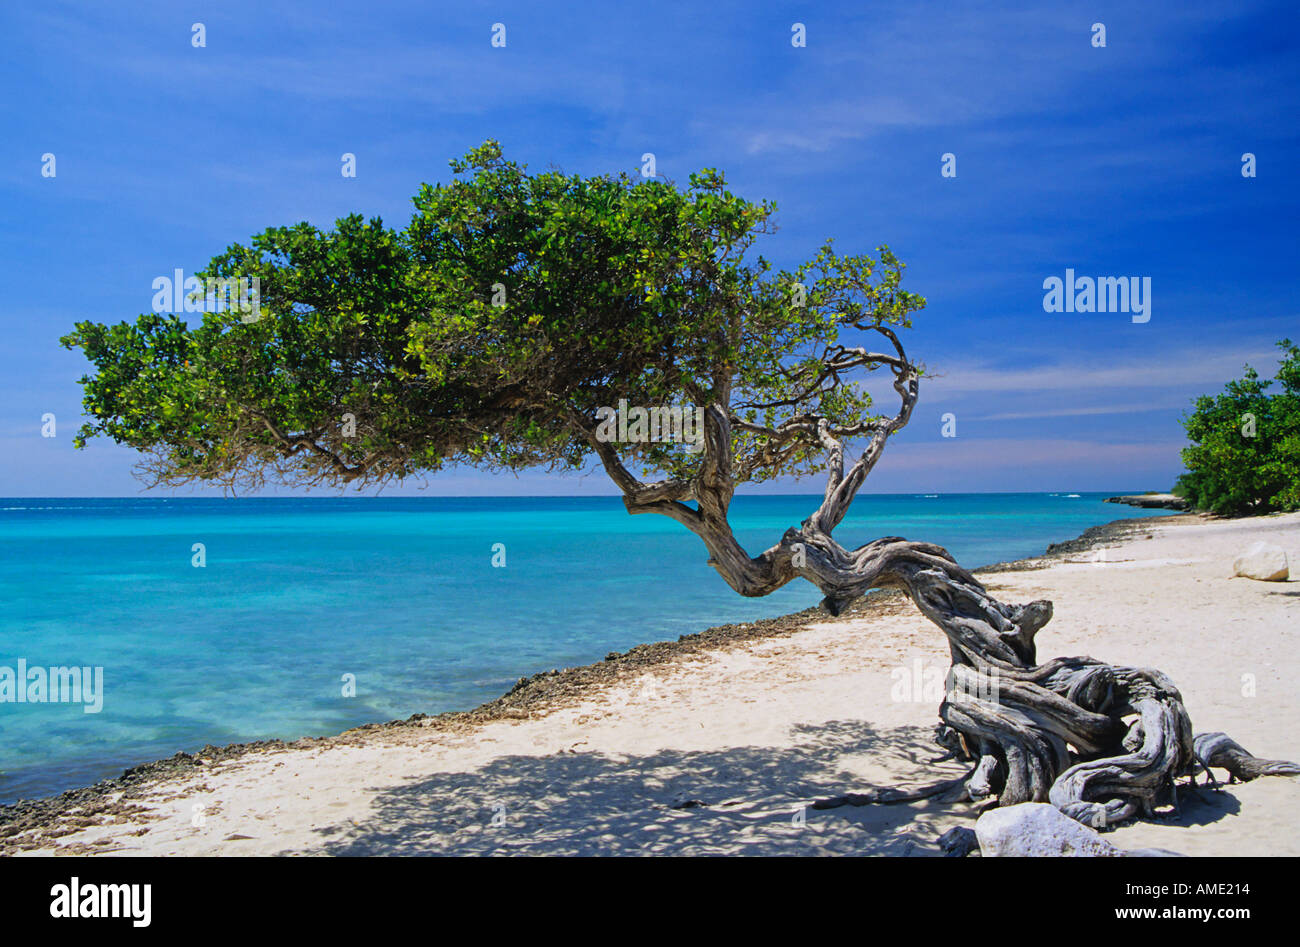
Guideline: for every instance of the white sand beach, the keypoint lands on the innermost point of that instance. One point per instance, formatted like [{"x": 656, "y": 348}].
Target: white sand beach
[{"x": 719, "y": 751}]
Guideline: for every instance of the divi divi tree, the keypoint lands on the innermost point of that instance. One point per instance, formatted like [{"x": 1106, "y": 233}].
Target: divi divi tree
[{"x": 494, "y": 329}]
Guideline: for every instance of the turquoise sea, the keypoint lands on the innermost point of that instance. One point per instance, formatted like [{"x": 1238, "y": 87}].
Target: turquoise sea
[{"x": 400, "y": 592}]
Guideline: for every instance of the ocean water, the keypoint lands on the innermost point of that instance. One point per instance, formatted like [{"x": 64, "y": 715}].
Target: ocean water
[{"x": 399, "y": 592}]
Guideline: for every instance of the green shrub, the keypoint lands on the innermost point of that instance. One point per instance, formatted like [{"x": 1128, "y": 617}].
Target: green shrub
[{"x": 1245, "y": 450}]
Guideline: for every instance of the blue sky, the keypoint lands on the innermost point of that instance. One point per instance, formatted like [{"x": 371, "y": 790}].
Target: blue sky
[{"x": 1115, "y": 161}]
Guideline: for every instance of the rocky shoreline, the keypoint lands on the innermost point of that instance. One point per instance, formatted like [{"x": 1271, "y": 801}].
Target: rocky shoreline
[
  {"x": 28, "y": 822},
  {"x": 1153, "y": 501}
]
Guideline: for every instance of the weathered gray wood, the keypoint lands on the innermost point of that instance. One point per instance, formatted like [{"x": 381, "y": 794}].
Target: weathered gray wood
[
  {"x": 1218, "y": 749},
  {"x": 1103, "y": 743}
]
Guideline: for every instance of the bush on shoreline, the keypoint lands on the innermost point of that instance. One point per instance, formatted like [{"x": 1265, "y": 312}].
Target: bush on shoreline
[{"x": 1245, "y": 451}]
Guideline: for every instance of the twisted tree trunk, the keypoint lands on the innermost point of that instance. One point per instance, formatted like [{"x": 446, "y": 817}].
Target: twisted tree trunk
[
  {"x": 1103, "y": 743},
  {"x": 1100, "y": 742}
]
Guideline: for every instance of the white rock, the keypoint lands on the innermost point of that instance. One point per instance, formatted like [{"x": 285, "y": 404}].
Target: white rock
[
  {"x": 1262, "y": 561},
  {"x": 1037, "y": 829}
]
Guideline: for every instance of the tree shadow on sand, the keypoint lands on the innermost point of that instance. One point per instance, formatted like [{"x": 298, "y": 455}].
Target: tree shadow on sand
[
  {"x": 750, "y": 799},
  {"x": 1202, "y": 806},
  {"x": 746, "y": 798}
]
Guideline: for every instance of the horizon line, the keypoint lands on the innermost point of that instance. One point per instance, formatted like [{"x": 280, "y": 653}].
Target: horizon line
[{"x": 572, "y": 496}]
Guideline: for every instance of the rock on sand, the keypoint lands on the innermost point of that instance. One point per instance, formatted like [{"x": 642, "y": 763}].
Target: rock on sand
[{"x": 1262, "y": 561}]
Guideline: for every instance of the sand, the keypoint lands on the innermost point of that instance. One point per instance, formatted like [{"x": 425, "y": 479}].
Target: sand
[{"x": 722, "y": 750}]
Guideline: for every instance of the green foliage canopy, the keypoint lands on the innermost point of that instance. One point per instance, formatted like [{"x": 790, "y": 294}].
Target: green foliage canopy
[{"x": 614, "y": 287}]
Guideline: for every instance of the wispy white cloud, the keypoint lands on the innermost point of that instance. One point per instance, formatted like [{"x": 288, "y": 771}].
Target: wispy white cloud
[
  {"x": 1080, "y": 411},
  {"x": 1174, "y": 369}
]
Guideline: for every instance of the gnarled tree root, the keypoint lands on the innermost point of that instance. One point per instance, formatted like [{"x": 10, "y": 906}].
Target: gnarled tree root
[
  {"x": 1218, "y": 749},
  {"x": 1102, "y": 743}
]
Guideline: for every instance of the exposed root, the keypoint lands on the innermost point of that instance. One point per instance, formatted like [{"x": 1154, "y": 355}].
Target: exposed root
[
  {"x": 1218, "y": 749},
  {"x": 1102, "y": 743}
]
